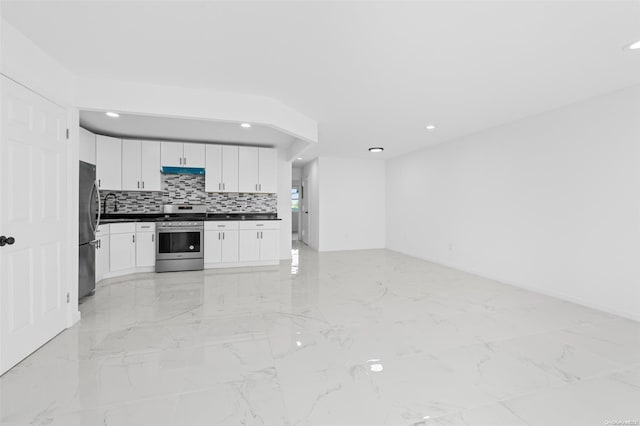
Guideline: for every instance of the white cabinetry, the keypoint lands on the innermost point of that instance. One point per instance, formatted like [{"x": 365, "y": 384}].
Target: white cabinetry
[
  {"x": 87, "y": 148},
  {"x": 221, "y": 168},
  {"x": 257, "y": 169},
  {"x": 259, "y": 241},
  {"x": 267, "y": 170},
  {"x": 220, "y": 242},
  {"x": 178, "y": 154},
  {"x": 145, "y": 244},
  {"x": 102, "y": 251},
  {"x": 122, "y": 250},
  {"x": 109, "y": 162},
  {"x": 140, "y": 165}
]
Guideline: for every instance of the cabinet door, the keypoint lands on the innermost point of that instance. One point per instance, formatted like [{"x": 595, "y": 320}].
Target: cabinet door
[
  {"x": 150, "y": 176},
  {"x": 229, "y": 246},
  {"x": 248, "y": 245},
  {"x": 267, "y": 170},
  {"x": 171, "y": 154},
  {"x": 212, "y": 246},
  {"x": 122, "y": 252},
  {"x": 87, "y": 146},
  {"x": 269, "y": 244},
  {"x": 131, "y": 165},
  {"x": 145, "y": 249},
  {"x": 109, "y": 162},
  {"x": 194, "y": 155},
  {"x": 213, "y": 169},
  {"x": 229, "y": 168},
  {"x": 247, "y": 169},
  {"x": 102, "y": 257}
]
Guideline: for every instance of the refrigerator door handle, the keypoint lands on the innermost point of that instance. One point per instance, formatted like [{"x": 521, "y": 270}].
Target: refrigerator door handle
[
  {"x": 98, "y": 192},
  {"x": 94, "y": 242},
  {"x": 94, "y": 188}
]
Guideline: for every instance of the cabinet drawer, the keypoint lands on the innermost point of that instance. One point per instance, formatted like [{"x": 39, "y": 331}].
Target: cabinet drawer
[
  {"x": 145, "y": 227},
  {"x": 257, "y": 224},
  {"x": 102, "y": 230},
  {"x": 221, "y": 226},
  {"x": 123, "y": 228}
]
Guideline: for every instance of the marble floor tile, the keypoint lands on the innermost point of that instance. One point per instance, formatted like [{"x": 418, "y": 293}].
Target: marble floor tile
[{"x": 369, "y": 337}]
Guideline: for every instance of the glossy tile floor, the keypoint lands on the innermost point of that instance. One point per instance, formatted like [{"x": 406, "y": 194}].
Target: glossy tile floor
[{"x": 350, "y": 338}]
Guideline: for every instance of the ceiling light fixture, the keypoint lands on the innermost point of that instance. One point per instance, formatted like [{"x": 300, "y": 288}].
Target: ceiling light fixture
[
  {"x": 112, "y": 114},
  {"x": 245, "y": 125},
  {"x": 633, "y": 46},
  {"x": 299, "y": 158},
  {"x": 376, "y": 149},
  {"x": 431, "y": 127}
]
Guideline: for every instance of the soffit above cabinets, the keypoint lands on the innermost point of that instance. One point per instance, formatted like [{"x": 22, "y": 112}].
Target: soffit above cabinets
[{"x": 168, "y": 128}]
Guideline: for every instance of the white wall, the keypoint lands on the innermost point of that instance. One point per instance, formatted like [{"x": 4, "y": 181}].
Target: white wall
[
  {"x": 24, "y": 62},
  {"x": 352, "y": 203},
  {"x": 550, "y": 203}
]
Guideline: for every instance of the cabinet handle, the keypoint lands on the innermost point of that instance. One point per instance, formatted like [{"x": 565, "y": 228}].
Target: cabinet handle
[
  {"x": 181, "y": 161},
  {"x": 223, "y": 186},
  {"x": 185, "y": 161},
  {"x": 142, "y": 184},
  {"x": 153, "y": 238},
  {"x": 258, "y": 235},
  {"x": 223, "y": 235},
  {"x": 133, "y": 239},
  {"x": 259, "y": 187},
  {"x": 219, "y": 234},
  {"x": 259, "y": 224},
  {"x": 99, "y": 184},
  {"x": 219, "y": 186},
  {"x": 138, "y": 184}
]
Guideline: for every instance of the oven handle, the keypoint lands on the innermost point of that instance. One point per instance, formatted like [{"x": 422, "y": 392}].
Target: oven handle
[{"x": 174, "y": 230}]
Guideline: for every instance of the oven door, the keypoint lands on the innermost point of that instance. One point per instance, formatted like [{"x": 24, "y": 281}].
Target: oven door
[{"x": 179, "y": 243}]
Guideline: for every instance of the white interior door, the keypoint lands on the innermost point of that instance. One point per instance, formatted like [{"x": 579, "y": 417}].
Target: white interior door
[
  {"x": 304, "y": 212},
  {"x": 33, "y": 178}
]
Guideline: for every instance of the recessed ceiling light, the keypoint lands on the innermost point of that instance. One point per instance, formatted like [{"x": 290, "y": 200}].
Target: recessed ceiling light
[
  {"x": 245, "y": 125},
  {"x": 299, "y": 158},
  {"x": 633, "y": 46},
  {"x": 376, "y": 149},
  {"x": 431, "y": 127},
  {"x": 112, "y": 114}
]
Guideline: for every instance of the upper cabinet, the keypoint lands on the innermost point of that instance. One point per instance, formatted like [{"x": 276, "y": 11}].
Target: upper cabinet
[
  {"x": 109, "y": 162},
  {"x": 177, "y": 154},
  {"x": 267, "y": 170},
  {"x": 87, "y": 146},
  {"x": 140, "y": 165},
  {"x": 257, "y": 170},
  {"x": 221, "y": 168}
]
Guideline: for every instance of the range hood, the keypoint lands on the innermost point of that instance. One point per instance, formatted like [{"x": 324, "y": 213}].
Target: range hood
[{"x": 182, "y": 170}]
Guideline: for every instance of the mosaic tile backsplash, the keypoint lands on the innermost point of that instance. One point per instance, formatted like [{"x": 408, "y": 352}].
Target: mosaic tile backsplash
[{"x": 189, "y": 189}]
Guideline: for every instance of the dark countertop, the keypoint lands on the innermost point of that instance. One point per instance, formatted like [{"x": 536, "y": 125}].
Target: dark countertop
[{"x": 156, "y": 217}]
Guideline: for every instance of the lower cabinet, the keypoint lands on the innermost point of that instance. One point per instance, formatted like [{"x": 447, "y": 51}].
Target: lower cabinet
[
  {"x": 220, "y": 242},
  {"x": 102, "y": 252},
  {"x": 259, "y": 241},
  {"x": 122, "y": 250},
  {"x": 145, "y": 244}
]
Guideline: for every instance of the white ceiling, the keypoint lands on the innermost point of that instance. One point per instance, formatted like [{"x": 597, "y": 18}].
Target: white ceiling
[
  {"x": 370, "y": 73},
  {"x": 168, "y": 128}
]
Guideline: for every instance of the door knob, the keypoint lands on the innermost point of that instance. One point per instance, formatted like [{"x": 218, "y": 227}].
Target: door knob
[{"x": 6, "y": 240}]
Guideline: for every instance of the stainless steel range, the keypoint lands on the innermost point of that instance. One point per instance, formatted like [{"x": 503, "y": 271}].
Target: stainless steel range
[{"x": 180, "y": 237}]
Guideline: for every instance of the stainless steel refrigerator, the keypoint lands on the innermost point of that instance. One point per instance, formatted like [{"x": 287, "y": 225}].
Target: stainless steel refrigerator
[{"x": 88, "y": 221}]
